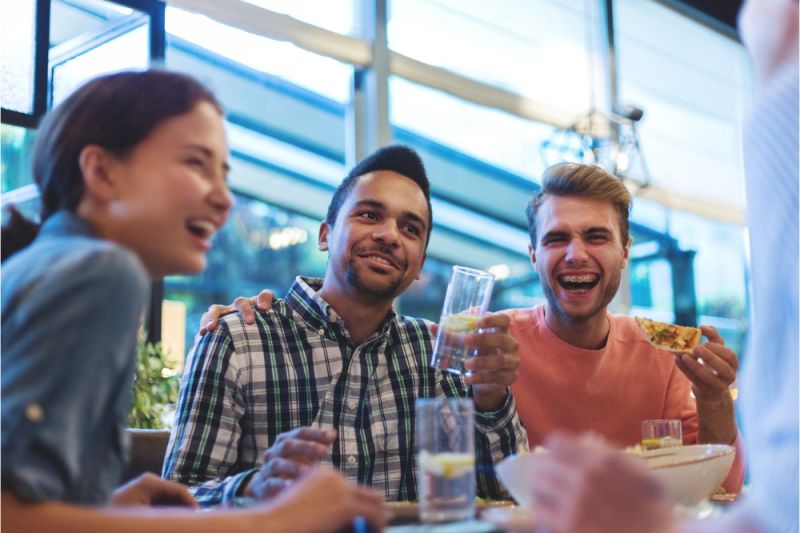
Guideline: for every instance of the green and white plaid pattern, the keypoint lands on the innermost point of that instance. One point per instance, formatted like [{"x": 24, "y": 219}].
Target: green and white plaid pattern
[{"x": 243, "y": 385}]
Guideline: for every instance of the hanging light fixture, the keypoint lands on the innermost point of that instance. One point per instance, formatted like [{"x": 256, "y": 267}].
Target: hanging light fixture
[
  {"x": 607, "y": 139},
  {"x": 610, "y": 141}
]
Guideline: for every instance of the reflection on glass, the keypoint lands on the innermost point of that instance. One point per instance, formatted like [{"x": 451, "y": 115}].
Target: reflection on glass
[
  {"x": 333, "y": 15},
  {"x": 651, "y": 288},
  {"x": 493, "y": 136},
  {"x": 694, "y": 89},
  {"x": 260, "y": 247},
  {"x": 131, "y": 50},
  {"x": 16, "y": 69},
  {"x": 538, "y": 48},
  {"x": 720, "y": 273},
  {"x": 264, "y": 247},
  {"x": 15, "y": 158},
  {"x": 70, "y": 19},
  {"x": 284, "y": 60}
]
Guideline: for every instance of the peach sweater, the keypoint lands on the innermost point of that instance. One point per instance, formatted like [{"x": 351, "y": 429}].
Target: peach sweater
[{"x": 608, "y": 391}]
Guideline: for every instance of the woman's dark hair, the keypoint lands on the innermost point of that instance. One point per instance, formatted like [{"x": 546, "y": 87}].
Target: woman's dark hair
[{"x": 116, "y": 112}]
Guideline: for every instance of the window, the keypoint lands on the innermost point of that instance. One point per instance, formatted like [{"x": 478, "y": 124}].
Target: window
[
  {"x": 16, "y": 73},
  {"x": 333, "y": 15},
  {"x": 260, "y": 247},
  {"x": 290, "y": 127},
  {"x": 694, "y": 85},
  {"x": 540, "y": 49}
]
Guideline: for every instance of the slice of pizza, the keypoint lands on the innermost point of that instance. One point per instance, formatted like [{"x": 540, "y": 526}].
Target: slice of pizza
[{"x": 669, "y": 336}]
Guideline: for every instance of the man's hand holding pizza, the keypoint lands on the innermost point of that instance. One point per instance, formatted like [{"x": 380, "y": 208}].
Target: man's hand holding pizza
[{"x": 711, "y": 367}]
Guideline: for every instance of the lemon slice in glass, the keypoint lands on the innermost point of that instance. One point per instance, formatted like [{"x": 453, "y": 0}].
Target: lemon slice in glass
[
  {"x": 446, "y": 464},
  {"x": 460, "y": 323}
]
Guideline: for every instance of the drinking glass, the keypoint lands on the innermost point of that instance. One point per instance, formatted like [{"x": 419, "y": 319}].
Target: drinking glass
[
  {"x": 465, "y": 303},
  {"x": 445, "y": 434},
  {"x": 661, "y": 434}
]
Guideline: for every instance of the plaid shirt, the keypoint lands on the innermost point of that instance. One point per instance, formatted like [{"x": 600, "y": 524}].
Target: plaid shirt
[{"x": 243, "y": 385}]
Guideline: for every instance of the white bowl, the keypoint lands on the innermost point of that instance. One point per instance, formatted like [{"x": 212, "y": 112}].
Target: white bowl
[{"x": 689, "y": 474}]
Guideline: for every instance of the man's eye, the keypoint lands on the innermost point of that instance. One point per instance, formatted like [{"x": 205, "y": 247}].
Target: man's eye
[
  {"x": 411, "y": 228},
  {"x": 367, "y": 214}
]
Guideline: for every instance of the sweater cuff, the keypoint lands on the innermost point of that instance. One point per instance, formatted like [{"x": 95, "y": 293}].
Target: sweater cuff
[
  {"x": 235, "y": 485},
  {"x": 499, "y": 418},
  {"x": 733, "y": 483}
]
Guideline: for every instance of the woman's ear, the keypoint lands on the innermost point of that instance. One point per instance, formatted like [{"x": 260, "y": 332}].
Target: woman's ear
[{"x": 97, "y": 166}]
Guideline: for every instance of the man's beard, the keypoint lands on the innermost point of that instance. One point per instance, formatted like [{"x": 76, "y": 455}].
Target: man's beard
[
  {"x": 388, "y": 289},
  {"x": 377, "y": 290}
]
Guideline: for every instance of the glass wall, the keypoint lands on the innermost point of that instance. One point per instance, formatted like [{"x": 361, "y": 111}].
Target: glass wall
[
  {"x": 541, "y": 49},
  {"x": 695, "y": 92},
  {"x": 16, "y": 70},
  {"x": 290, "y": 121}
]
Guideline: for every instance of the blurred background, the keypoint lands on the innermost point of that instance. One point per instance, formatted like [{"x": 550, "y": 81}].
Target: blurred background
[{"x": 489, "y": 93}]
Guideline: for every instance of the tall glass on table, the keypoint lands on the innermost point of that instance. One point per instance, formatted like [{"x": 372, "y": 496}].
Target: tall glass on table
[
  {"x": 465, "y": 303},
  {"x": 445, "y": 432}
]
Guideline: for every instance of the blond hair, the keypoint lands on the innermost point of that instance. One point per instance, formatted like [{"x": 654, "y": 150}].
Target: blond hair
[{"x": 584, "y": 181}]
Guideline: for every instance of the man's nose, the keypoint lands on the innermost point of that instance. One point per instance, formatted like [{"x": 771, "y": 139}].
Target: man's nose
[
  {"x": 576, "y": 251},
  {"x": 387, "y": 232}
]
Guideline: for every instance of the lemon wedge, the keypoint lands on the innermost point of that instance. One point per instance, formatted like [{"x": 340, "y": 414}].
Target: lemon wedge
[
  {"x": 460, "y": 323},
  {"x": 447, "y": 464},
  {"x": 663, "y": 442}
]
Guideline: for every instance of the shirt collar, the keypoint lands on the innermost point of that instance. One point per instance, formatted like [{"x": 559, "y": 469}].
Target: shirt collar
[
  {"x": 65, "y": 222},
  {"x": 303, "y": 297}
]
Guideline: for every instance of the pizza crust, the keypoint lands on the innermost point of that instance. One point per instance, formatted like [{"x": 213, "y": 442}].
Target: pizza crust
[{"x": 669, "y": 336}]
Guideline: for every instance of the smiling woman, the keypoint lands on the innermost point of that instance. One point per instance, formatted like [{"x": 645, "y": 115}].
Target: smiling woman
[{"x": 131, "y": 169}]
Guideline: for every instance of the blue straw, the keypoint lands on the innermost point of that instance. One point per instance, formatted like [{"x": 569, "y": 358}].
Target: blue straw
[{"x": 359, "y": 525}]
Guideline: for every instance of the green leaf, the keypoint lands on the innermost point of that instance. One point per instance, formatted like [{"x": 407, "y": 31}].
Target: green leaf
[{"x": 153, "y": 389}]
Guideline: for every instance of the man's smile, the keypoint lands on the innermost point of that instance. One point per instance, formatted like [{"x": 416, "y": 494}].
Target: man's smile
[
  {"x": 578, "y": 283},
  {"x": 382, "y": 259}
]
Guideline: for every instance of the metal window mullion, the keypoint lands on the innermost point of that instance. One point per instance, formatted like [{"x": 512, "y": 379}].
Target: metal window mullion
[
  {"x": 41, "y": 59},
  {"x": 367, "y": 117},
  {"x": 272, "y": 25},
  {"x": 88, "y": 41}
]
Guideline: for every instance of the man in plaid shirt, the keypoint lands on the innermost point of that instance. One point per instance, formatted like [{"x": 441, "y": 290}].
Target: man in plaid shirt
[{"x": 330, "y": 374}]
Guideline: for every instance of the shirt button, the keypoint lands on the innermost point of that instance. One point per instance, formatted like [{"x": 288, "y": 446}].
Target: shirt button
[
  {"x": 34, "y": 412},
  {"x": 321, "y": 332},
  {"x": 351, "y": 460},
  {"x": 352, "y": 405}
]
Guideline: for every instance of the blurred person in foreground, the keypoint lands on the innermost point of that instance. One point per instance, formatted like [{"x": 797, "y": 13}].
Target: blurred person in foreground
[
  {"x": 583, "y": 486},
  {"x": 132, "y": 171},
  {"x": 330, "y": 373}
]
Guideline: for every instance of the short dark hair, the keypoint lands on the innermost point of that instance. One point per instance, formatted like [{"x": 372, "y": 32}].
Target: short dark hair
[
  {"x": 584, "y": 181},
  {"x": 395, "y": 158},
  {"x": 116, "y": 111}
]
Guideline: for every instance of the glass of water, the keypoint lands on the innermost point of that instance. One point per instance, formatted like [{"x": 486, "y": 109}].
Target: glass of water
[
  {"x": 661, "y": 434},
  {"x": 465, "y": 303},
  {"x": 445, "y": 432}
]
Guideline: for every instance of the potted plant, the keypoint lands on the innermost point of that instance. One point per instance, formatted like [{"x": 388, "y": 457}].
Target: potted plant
[{"x": 155, "y": 388}]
